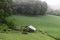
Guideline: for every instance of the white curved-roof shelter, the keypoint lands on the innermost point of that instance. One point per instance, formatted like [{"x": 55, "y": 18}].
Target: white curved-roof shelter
[{"x": 32, "y": 27}]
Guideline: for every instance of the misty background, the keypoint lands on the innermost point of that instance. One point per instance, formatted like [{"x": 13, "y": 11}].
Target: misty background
[{"x": 54, "y": 4}]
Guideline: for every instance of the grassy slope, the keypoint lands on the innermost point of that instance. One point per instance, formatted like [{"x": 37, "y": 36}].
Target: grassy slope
[
  {"x": 19, "y": 36},
  {"x": 50, "y": 24}
]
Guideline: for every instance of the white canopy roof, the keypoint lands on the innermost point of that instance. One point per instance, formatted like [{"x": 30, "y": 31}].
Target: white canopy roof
[{"x": 32, "y": 27}]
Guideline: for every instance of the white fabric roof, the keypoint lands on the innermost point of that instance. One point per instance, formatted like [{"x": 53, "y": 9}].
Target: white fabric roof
[{"x": 32, "y": 27}]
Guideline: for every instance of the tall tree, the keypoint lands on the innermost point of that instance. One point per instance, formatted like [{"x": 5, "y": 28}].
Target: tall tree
[{"x": 5, "y": 9}]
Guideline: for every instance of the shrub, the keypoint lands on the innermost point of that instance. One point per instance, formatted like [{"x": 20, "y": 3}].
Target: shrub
[
  {"x": 3, "y": 28},
  {"x": 11, "y": 24}
]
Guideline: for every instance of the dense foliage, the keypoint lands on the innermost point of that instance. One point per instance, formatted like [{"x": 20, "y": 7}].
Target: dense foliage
[
  {"x": 31, "y": 8},
  {"x": 5, "y": 11}
]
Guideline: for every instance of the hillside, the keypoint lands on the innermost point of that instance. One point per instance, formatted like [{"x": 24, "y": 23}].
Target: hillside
[
  {"x": 49, "y": 24},
  {"x": 19, "y": 36}
]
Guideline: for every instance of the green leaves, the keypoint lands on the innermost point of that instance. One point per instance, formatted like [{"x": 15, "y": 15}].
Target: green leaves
[
  {"x": 32, "y": 8},
  {"x": 5, "y": 11},
  {"x": 3, "y": 28}
]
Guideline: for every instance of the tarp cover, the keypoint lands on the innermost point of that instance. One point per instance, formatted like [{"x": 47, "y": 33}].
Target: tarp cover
[{"x": 32, "y": 27}]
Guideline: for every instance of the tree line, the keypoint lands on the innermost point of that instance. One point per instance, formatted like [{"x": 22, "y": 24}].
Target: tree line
[{"x": 31, "y": 8}]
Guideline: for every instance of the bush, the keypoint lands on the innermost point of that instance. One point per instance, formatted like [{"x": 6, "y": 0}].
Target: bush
[
  {"x": 11, "y": 24},
  {"x": 3, "y": 28}
]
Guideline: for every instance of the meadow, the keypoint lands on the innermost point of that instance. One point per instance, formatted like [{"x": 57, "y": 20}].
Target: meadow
[{"x": 48, "y": 23}]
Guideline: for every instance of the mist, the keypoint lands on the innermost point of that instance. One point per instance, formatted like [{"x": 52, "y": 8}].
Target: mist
[{"x": 54, "y": 4}]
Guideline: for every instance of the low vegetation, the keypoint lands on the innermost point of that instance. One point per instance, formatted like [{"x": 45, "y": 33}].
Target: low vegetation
[{"x": 20, "y": 36}]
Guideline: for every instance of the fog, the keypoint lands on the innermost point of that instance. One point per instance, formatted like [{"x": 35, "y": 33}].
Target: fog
[{"x": 54, "y": 4}]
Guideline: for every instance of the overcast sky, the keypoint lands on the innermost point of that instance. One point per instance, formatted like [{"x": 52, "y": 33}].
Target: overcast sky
[{"x": 55, "y": 4}]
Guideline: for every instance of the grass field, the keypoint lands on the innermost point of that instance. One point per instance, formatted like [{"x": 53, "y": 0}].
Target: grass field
[
  {"x": 49, "y": 24},
  {"x": 19, "y": 36}
]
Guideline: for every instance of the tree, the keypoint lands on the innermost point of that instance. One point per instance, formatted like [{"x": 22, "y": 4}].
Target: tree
[
  {"x": 32, "y": 8},
  {"x": 43, "y": 8},
  {"x": 5, "y": 10}
]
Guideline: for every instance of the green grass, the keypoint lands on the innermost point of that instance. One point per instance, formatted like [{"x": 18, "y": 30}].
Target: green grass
[
  {"x": 19, "y": 36},
  {"x": 49, "y": 24}
]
